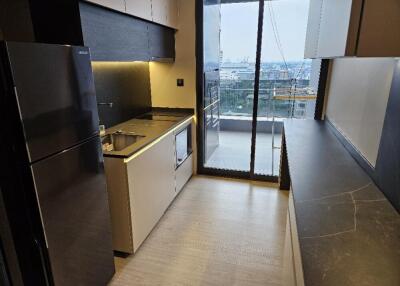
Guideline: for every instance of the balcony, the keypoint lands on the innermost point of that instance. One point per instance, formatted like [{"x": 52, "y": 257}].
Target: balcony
[{"x": 236, "y": 107}]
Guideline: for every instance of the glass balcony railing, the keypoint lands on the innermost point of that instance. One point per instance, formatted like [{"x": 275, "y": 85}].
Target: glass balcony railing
[{"x": 275, "y": 102}]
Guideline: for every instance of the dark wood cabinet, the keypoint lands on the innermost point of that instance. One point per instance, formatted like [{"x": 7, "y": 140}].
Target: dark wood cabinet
[
  {"x": 114, "y": 36},
  {"x": 110, "y": 35},
  {"x": 362, "y": 28},
  {"x": 161, "y": 42}
]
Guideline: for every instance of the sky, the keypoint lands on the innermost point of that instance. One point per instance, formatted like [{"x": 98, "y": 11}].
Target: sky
[{"x": 239, "y": 30}]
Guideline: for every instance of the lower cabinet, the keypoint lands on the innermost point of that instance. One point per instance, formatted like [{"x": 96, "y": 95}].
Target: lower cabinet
[
  {"x": 140, "y": 190},
  {"x": 183, "y": 173},
  {"x": 292, "y": 264}
]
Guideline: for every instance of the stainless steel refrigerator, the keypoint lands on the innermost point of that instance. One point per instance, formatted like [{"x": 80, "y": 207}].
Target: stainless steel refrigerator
[{"x": 52, "y": 178}]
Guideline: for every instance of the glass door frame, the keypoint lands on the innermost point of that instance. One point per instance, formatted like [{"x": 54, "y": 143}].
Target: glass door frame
[{"x": 201, "y": 168}]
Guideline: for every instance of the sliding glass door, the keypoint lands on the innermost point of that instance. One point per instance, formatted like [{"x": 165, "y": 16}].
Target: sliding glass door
[
  {"x": 229, "y": 101},
  {"x": 256, "y": 79},
  {"x": 284, "y": 89}
]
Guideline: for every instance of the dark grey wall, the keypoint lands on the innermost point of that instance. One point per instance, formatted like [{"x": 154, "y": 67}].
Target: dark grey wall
[
  {"x": 387, "y": 169},
  {"x": 126, "y": 85}
]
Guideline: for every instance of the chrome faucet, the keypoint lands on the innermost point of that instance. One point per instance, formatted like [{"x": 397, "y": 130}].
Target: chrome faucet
[{"x": 109, "y": 104}]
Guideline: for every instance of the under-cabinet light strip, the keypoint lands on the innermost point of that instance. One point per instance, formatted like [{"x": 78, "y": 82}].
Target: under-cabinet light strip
[{"x": 158, "y": 140}]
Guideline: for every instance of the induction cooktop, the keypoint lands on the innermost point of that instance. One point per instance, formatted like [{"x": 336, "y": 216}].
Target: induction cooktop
[{"x": 157, "y": 117}]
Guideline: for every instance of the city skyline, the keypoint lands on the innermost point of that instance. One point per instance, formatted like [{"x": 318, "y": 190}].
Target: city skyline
[{"x": 269, "y": 70}]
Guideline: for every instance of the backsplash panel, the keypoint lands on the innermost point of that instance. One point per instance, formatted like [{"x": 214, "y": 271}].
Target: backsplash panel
[{"x": 124, "y": 84}]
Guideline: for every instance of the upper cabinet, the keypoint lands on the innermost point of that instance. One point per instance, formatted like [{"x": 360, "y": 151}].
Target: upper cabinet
[
  {"x": 379, "y": 32},
  {"x": 363, "y": 28},
  {"x": 113, "y": 36},
  {"x": 139, "y": 8},
  {"x": 118, "y": 5},
  {"x": 161, "y": 43},
  {"x": 164, "y": 12}
]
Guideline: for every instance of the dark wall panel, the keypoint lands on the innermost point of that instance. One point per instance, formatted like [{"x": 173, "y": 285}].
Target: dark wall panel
[
  {"x": 15, "y": 21},
  {"x": 388, "y": 163},
  {"x": 126, "y": 85},
  {"x": 43, "y": 21}
]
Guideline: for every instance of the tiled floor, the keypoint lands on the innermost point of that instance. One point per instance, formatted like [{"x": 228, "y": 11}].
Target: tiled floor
[
  {"x": 216, "y": 232},
  {"x": 233, "y": 153}
]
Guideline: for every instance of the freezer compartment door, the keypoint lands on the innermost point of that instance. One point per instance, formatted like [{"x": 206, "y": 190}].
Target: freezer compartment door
[
  {"x": 73, "y": 202},
  {"x": 56, "y": 95}
]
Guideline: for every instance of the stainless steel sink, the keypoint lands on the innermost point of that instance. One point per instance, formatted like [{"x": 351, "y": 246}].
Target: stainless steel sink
[{"x": 119, "y": 140}]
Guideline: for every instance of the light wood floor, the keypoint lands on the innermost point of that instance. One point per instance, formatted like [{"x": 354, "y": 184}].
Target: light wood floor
[{"x": 216, "y": 232}]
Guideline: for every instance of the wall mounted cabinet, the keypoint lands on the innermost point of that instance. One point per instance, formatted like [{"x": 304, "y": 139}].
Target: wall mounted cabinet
[
  {"x": 110, "y": 33},
  {"x": 118, "y": 5},
  {"x": 139, "y": 8},
  {"x": 161, "y": 43},
  {"x": 363, "y": 28},
  {"x": 164, "y": 12},
  {"x": 114, "y": 36}
]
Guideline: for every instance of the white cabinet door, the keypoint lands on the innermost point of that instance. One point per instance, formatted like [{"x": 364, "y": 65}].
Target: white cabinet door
[
  {"x": 334, "y": 27},
  {"x": 313, "y": 26},
  {"x": 172, "y": 16},
  {"x": 139, "y": 8},
  {"x": 165, "y": 12},
  {"x": 113, "y": 4},
  {"x": 151, "y": 180},
  {"x": 183, "y": 173},
  {"x": 159, "y": 11}
]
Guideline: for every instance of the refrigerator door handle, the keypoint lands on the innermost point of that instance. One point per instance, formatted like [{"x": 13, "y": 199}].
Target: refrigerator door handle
[{"x": 40, "y": 209}]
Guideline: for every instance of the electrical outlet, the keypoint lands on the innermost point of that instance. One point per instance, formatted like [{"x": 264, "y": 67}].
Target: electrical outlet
[{"x": 180, "y": 82}]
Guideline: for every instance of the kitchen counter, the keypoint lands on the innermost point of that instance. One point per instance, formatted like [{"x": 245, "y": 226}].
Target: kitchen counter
[
  {"x": 349, "y": 233},
  {"x": 163, "y": 121}
]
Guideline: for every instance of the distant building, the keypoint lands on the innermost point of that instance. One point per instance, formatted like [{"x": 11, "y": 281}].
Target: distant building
[{"x": 283, "y": 74}]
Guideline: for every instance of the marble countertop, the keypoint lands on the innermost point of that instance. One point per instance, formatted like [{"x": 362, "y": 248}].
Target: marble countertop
[
  {"x": 150, "y": 129},
  {"x": 349, "y": 233}
]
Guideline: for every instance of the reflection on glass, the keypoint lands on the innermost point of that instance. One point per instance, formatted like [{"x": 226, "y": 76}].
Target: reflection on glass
[
  {"x": 236, "y": 89},
  {"x": 286, "y": 83}
]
